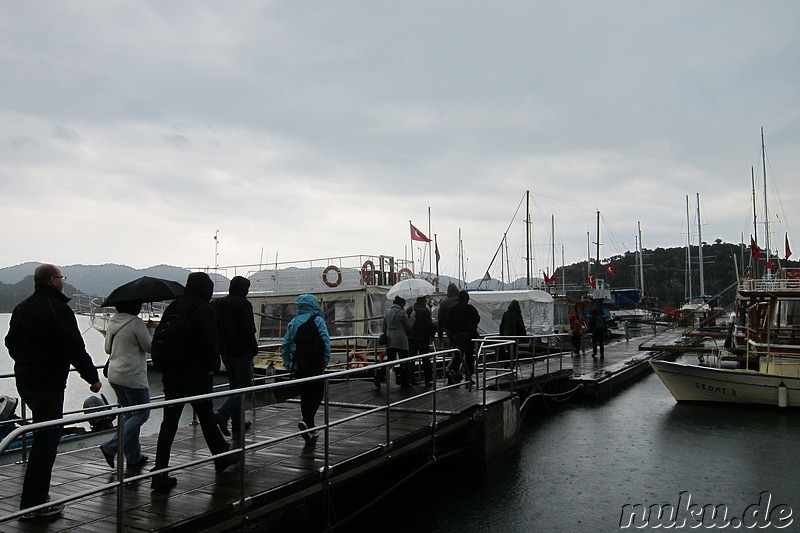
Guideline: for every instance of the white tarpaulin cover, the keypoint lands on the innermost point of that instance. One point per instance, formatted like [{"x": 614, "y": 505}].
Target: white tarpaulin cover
[{"x": 536, "y": 306}]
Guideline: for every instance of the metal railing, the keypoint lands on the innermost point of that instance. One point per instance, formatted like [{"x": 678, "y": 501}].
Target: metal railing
[{"x": 243, "y": 447}]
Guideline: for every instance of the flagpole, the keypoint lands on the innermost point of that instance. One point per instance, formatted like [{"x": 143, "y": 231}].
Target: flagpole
[
  {"x": 411, "y": 242},
  {"x": 436, "y": 247},
  {"x": 430, "y": 259}
]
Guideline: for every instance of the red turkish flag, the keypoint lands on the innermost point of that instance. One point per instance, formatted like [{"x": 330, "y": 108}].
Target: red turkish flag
[
  {"x": 787, "y": 250},
  {"x": 591, "y": 282},
  {"x": 611, "y": 271},
  {"x": 754, "y": 249},
  {"x": 417, "y": 235}
]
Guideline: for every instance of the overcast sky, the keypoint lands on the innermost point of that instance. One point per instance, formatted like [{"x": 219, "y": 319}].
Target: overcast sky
[{"x": 131, "y": 132}]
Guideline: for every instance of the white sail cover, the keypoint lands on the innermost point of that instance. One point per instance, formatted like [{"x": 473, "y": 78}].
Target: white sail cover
[{"x": 536, "y": 306}]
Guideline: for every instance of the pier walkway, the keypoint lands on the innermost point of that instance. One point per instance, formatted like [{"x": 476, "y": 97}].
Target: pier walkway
[{"x": 366, "y": 429}]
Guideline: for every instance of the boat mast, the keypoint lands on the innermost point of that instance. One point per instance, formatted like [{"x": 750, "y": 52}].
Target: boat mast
[
  {"x": 528, "y": 238},
  {"x": 553, "y": 242},
  {"x": 700, "y": 250},
  {"x": 597, "y": 258},
  {"x": 688, "y": 254},
  {"x": 766, "y": 209},
  {"x": 641, "y": 262}
]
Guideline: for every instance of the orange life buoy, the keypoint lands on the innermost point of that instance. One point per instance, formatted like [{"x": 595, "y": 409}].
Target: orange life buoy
[
  {"x": 407, "y": 272},
  {"x": 328, "y": 282},
  {"x": 793, "y": 274},
  {"x": 356, "y": 360},
  {"x": 367, "y": 272}
]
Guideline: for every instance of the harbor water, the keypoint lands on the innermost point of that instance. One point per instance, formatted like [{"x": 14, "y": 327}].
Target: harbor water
[
  {"x": 590, "y": 467},
  {"x": 580, "y": 466}
]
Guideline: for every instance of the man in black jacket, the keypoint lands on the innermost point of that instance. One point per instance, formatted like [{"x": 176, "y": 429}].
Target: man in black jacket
[
  {"x": 192, "y": 379},
  {"x": 462, "y": 322},
  {"x": 44, "y": 340},
  {"x": 238, "y": 347}
]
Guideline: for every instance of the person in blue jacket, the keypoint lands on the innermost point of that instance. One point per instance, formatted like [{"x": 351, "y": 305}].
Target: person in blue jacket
[{"x": 306, "y": 351}]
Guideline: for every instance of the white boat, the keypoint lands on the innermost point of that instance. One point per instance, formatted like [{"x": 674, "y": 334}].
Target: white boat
[{"x": 764, "y": 346}]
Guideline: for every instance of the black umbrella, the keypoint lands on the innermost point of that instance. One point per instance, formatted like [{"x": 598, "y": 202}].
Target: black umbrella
[{"x": 144, "y": 289}]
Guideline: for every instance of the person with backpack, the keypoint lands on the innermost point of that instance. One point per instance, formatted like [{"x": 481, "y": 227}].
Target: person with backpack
[
  {"x": 185, "y": 348},
  {"x": 238, "y": 346},
  {"x": 306, "y": 351},
  {"x": 462, "y": 322}
]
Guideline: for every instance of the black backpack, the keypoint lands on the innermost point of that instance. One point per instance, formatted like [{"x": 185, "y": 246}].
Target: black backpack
[
  {"x": 309, "y": 350},
  {"x": 171, "y": 345}
]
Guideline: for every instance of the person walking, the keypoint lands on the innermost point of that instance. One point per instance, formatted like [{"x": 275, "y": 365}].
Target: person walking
[
  {"x": 238, "y": 346},
  {"x": 462, "y": 322},
  {"x": 419, "y": 340},
  {"x": 44, "y": 340},
  {"x": 511, "y": 325},
  {"x": 576, "y": 333},
  {"x": 128, "y": 342},
  {"x": 397, "y": 326},
  {"x": 192, "y": 376},
  {"x": 441, "y": 315},
  {"x": 597, "y": 326},
  {"x": 306, "y": 351}
]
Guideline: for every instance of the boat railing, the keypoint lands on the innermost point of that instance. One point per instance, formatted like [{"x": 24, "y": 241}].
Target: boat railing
[
  {"x": 787, "y": 280},
  {"x": 327, "y": 471}
]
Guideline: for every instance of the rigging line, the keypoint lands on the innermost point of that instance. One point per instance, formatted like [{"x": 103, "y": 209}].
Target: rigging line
[{"x": 506, "y": 233}]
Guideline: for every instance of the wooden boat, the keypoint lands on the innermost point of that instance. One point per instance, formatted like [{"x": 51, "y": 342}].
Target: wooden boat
[{"x": 764, "y": 345}]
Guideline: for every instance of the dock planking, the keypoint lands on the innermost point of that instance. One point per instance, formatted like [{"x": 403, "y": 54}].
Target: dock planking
[
  {"x": 275, "y": 475},
  {"x": 285, "y": 472}
]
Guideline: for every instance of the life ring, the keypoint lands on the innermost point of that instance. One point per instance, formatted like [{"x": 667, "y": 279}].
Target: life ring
[
  {"x": 328, "y": 282},
  {"x": 793, "y": 274},
  {"x": 356, "y": 360},
  {"x": 381, "y": 357},
  {"x": 367, "y": 272},
  {"x": 407, "y": 272}
]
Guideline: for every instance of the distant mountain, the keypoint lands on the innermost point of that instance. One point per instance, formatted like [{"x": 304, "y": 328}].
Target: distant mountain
[{"x": 12, "y": 294}]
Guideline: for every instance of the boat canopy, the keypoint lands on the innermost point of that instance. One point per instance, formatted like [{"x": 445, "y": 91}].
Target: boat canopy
[{"x": 536, "y": 306}]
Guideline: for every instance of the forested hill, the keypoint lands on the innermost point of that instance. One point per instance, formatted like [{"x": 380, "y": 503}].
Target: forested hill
[{"x": 665, "y": 272}]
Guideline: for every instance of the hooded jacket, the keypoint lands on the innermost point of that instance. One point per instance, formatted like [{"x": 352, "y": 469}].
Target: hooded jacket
[
  {"x": 444, "y": 307},
  {"x": 44, "y": 340},
  {"x": 127, "y": 341},
  {"x": 307, "y": 309},
  {"x": 512, "y": 323},
  {"x": 422, "y": 330},
  {"x": 194, "y": 307},
  {"x": 463, "y": 318},
  {"x": 237, "y": 328}
]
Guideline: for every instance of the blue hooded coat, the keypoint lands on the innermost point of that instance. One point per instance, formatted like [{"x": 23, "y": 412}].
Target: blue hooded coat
[{"x": 307, "y": 309}]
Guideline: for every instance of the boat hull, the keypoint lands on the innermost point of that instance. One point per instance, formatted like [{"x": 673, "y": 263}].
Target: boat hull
[{"x": 698, "y": 384}]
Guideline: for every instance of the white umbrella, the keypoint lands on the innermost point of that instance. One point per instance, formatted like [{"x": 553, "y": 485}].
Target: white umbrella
[{"x": 410, "y": 288}]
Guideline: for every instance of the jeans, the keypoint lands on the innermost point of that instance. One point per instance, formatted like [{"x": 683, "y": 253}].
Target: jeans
[
  {"x": 240, "y": 375},
  {"x": 44, "y": 405},
  {"x": 126, "y": 396},
  {"x": 204, "y": 409}
]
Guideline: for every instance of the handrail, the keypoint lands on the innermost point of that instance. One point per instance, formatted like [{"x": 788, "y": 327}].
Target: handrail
[{"x": 120, "y": 412}]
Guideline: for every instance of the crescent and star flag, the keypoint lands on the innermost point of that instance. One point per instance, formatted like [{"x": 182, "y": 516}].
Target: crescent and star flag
[
  {"x": 591, "y": 281},
  {"x": 611, "y": 271},
  {"x": 786, "y": 247},
  {"x": 770, "y": 265},
  {"x": 437, "y": 253},
  {"x": 754, "y": 249},
  {"x": 417, "y": 235},
  {"x": 549, "y": 279}
]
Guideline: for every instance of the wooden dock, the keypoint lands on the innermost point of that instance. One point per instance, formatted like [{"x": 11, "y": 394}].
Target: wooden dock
[{"x": 281, "y": 469}]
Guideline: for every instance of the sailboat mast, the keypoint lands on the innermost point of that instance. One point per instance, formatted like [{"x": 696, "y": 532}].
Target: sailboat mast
[
  {"x": 641, "y": 262},
  {"x": 688, "y": 254},
  {"x": 528, "y": 238},
  {"x": 766, "y": 209},
  {"x": 553, "y": 241},
  {"x": 597, "y": 258},
  {"x": 700, "y": 250}
]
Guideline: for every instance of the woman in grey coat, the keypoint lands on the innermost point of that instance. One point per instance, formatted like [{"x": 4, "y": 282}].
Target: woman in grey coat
[{"x": 397, "y": 326}]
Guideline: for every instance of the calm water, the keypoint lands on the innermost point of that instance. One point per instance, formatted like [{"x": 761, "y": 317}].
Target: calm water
[{"x": 579, "y": 466}]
